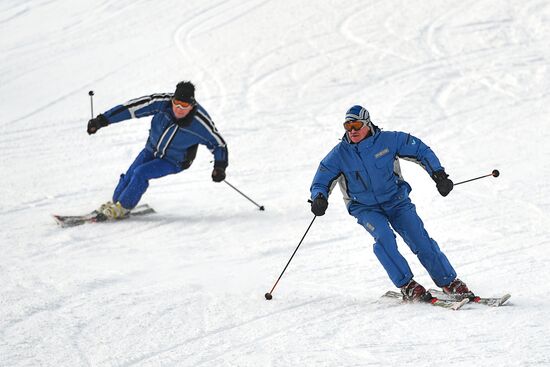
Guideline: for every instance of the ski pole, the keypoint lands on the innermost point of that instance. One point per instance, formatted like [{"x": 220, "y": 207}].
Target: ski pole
[
  {"x": 268, "y": 295},
  {"x": 91, "y": 94},
  {"x": 495, "y": 173},
  {"x": 252, "y": 201}
]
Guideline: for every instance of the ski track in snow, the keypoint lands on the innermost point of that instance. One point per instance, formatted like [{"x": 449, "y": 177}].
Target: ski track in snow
[{"x": 184, "y": 286}]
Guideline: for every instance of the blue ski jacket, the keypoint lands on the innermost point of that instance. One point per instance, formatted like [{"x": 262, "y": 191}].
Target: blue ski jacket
[
  {"x": 368, "y": 172},
  {"x": 168, "y": 140}
]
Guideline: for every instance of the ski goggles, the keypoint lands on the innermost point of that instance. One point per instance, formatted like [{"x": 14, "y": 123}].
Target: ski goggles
[
  {"x": 182, "y": 105},
  {"x": 353, "y": 125}
]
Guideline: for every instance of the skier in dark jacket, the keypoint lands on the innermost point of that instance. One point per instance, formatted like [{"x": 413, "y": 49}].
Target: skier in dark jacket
[
  {"x": 178, "y": 126},
  {"x": 366, "y": 165}
]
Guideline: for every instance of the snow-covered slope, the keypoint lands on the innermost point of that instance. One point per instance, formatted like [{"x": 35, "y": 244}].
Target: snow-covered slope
[{"x": 185, "y": 287}]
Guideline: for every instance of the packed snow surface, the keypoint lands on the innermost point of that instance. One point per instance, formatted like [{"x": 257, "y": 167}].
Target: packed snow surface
[{"x": 185, "y": 286}]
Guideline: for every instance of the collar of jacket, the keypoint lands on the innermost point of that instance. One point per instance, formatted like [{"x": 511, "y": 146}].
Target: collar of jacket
[
  {"x": 187, "y": 120},
  {"x": 363, "y": 144}
]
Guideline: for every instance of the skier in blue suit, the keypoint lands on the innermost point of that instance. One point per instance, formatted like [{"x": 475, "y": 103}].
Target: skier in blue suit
[
  {"x": 366, "y": 166},
  {"x": 178, "y": 126}
]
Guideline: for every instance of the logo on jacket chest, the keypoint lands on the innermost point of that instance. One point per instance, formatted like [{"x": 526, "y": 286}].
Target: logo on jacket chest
[{"x": 382, "y": 153}]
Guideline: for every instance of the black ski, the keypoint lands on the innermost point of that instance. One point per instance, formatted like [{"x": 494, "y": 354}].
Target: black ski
[
  {"x": 448, "y": 304},
  {"x": 95, "y": 216},
  {"x": 488, "y": 301}
]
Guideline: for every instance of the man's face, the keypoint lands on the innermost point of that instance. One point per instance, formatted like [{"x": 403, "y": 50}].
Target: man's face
[
  {"x": 357, "y": 130},
  {"x": 181, "y": 109}
]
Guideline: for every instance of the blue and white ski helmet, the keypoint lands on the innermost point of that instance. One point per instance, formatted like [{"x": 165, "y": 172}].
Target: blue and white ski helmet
[
  {"x": 357, "y": 113},
  {"x": 360, "y": 113}
]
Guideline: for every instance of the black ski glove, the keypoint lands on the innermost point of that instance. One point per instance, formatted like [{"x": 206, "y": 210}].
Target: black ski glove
[
  {"x": 442, "y": 182},
  {"x": 218, "y": 174},
  {"x": 96, "y": 124},
  {"x": 319, "y": 205}
]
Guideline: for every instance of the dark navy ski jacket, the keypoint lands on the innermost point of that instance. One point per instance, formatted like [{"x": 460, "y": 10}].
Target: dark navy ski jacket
[
  {"x": 167, "y": 139},
  {"x": 368, "y": 172}
]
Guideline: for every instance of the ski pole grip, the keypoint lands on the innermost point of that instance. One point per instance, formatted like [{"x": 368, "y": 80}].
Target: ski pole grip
[{"x": 91, "y": 94}]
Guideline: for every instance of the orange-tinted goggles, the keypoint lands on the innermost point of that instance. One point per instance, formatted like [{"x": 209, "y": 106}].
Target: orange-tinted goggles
[
  {"x": 182, "y": 105},
  {"x": 353, "y": 125}
]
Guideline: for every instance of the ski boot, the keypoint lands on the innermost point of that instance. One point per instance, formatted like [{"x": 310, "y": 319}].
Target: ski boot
[
  {"x": 414, "y": 292},
  {"x": 105, "y": 206},
  {"x": 113, "y": 211},
  {"x": 458, "y": 290}
]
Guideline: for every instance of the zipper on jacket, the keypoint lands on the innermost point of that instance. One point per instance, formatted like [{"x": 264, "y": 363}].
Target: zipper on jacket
[
  {"x": 170, "y": 139},
  {"x": 358, "y": 176},
  {"x": 361, "y": 178},
  {"x": 159, "y": 142}
]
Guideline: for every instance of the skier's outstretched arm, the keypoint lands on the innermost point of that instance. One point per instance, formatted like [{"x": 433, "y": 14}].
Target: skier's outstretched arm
[{"x": 135, "y": 108}]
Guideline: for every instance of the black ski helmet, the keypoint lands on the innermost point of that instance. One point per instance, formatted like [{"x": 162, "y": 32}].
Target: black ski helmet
[{"x": 185, "y": 92}]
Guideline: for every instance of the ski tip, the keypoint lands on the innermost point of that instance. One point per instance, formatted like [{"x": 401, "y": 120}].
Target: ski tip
[
  {"x": 460, "y": 304},
  {"x": 504, "y": 299},
  {"x": 492, "y": 301}
]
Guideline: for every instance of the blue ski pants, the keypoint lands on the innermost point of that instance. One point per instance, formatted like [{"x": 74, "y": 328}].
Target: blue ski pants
[
  {"x": 133, "y": 184},
  {"x": 402, "y": 217}
]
